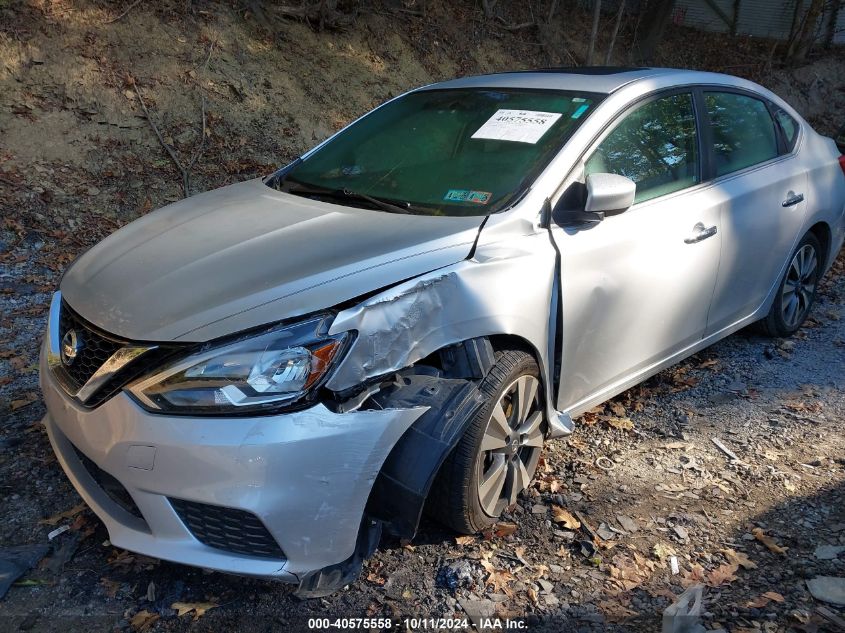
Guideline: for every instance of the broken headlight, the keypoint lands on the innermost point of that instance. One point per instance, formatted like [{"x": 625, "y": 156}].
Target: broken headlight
[{"x": 255, "y": 373}]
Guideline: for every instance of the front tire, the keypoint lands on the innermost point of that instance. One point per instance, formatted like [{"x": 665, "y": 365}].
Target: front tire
[
  {"x": 497, "y": 457},
  {"x": 797, "y": 290}
]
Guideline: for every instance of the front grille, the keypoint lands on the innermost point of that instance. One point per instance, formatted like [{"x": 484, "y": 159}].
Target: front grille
[
  {"x": 227, "y": 529},
  {"x": 97, "y": 348},
  {"x": 111, "y": 486}
]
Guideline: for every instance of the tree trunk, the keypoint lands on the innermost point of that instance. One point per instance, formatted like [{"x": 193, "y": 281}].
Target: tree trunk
[
  {"x": 806, "y": 35},
  {"x": 609, "y": 54},
  {"x": 595, "y": 31},
  {"x": 655, "y": 18}
]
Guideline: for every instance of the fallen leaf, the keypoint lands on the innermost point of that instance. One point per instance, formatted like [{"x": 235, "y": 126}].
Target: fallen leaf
[
  {"x": 617, "y": 409},
  {"x": 111, "y": 587},
  {"x": 722, "y": 575},
  {"x": 739, "y": 558},
  {"x": 143, "y": 620},
  {"x": 693, "y": 577},
  {"x": 199, "y": 608},
  {"x": 464, "y": 540},
  {"x": 764, "y": 599},
  {"x": 27, "y": 400},
  {"x": 615, "y": 612},
  {"x": 561, "y": 515},
  {"x": 768, "y": 541},
  {"x": 503, "y": 529},
  {"x": 623, "y": 424},
  {"x": 67, "y": 514}
]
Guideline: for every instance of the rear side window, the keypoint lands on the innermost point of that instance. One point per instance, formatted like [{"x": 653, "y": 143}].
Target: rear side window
[
  {"x": 655, "y": 146},
  {"x": 789, "y": 127},
  {"x": 743, "y": 131}
]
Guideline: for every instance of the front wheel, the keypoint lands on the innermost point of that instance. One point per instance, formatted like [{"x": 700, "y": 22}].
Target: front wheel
[
  {"x": 797, "y": 290},
  {"x": 497, "y": 457}
]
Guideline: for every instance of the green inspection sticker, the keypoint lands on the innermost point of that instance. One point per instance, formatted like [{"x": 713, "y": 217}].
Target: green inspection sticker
[{"x": 468, "y": 195}]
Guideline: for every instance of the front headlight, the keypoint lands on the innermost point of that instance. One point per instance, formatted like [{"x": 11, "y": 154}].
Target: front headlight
[{"x": 253, "y": 374}]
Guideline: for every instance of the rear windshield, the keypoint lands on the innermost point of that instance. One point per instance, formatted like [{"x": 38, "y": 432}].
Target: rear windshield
[{"x": 443, "y": 152}]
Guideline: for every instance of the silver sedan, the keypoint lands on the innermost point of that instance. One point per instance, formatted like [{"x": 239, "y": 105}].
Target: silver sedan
[{"x": 262, "y": 378}]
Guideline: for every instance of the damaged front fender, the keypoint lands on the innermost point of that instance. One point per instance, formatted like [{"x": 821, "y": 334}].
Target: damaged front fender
[{"x": 506, "y": 289}]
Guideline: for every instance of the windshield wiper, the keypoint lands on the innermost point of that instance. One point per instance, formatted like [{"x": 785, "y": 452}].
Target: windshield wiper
[{"x": 384, "y": 205}]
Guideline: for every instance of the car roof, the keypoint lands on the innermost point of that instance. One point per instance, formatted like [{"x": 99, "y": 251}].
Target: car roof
[{"x": 597, "y": 79}]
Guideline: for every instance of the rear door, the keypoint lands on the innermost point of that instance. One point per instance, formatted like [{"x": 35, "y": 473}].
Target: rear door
[
  {"x": 760, "y": 187},
  {"x": 636, "y": 287}
]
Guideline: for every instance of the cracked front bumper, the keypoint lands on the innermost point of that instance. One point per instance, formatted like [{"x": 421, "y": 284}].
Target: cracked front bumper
[{"x": 305, "y": 476}]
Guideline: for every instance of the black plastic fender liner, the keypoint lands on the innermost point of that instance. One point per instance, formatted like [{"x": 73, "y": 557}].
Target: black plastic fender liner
[
  {"x": 399, "y": 493},
  {"x": 326, "y": 581}
]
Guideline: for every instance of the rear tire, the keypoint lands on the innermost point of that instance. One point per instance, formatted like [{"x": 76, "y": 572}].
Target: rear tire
[
  {"x": 797, "y": 290},
  {"x": 497, "y": 457}
]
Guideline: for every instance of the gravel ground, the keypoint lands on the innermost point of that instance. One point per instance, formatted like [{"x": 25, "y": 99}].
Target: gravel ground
[{"x": 642, "y": 475}]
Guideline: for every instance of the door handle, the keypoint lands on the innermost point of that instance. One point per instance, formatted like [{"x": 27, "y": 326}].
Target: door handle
[
  {"x": 700, "y": 233},
  {"x": 793, "y": 198}
]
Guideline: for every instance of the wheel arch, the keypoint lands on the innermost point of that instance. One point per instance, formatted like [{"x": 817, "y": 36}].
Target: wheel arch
[{"x": 824, "y": 235}]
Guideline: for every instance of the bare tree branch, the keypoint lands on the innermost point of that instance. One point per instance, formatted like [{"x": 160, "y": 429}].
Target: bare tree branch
[
  {"x": 122, "y": 15},
  {"x": 619, "y": 13},
  {"x": 594, "y": 32}
]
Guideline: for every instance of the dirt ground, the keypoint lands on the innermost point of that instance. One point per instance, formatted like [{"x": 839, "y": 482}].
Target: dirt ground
[{"x": 78, "y": 158}]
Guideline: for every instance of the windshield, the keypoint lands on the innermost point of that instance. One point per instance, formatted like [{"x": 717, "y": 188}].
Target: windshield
[{"x": 443, "y": 152}]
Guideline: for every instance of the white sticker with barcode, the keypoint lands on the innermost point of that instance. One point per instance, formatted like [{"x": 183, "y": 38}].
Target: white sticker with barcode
[{"x": 521, "y": 126}]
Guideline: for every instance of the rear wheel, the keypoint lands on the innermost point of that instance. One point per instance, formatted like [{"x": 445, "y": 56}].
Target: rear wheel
[
  {"x": 797, "y": 290},
  {"x": 498, "y": 455}
]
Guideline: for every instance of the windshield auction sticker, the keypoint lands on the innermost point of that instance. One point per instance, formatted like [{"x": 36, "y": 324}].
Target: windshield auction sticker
[
  {"x": 467, "y": 195},
  {"x": 522, "y": 126}
]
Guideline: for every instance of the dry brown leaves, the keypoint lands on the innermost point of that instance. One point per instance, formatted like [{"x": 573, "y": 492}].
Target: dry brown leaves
[
  {"x": 111, "y": 587},
  {"x": 761, "y": 601},
  {"x": 499, "y": 579},
  {"x": 198, "y": 608},
  {"x": 61, "y": 516},
  {"x": 630, "y": 572},
  {"x": 768, "y": 541},
  {"x": 563, "y": 516},
  {"x": 615, "y": 611},
  {"x": 143, "y": 620},
  {"x": 738, "y": 558}
]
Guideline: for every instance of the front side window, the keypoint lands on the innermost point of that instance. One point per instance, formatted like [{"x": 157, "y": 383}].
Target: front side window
[
  {"x": 455, "y": 152},
  {"x": 743, "y": 131},
  {"x": 655, "y": 146}
]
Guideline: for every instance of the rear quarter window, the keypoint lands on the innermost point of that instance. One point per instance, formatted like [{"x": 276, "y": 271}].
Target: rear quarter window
[{"x": 789, "y": 127}]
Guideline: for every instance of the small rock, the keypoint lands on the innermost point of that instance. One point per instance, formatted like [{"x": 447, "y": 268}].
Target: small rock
[
  {"x": 539, "y": 508},
  {"x": 628, "y": 524},
  {"x": 828, "y": 589},
  {"x": 829, "y": 552},
  {"x": 545, "y": 585},
  {"x": 681, "y": 532},
  {"x": 605, "y": 532}
]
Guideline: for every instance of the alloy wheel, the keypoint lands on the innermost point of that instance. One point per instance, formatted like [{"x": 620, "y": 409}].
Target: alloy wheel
[
  {"x": 799, "y": 286},
  {"x": 511, "y": 445}
]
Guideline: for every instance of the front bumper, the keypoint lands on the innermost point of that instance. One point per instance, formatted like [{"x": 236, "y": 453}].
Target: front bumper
[{"x": 305, "y": 475}]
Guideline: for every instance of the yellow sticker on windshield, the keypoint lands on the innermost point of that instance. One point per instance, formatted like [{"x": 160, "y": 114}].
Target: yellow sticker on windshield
[{"x": 468, "y": 195}]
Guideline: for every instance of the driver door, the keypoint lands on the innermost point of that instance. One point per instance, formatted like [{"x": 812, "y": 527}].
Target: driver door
[{"x": 636, "y": 287}]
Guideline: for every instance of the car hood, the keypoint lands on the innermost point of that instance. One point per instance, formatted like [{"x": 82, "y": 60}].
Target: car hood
[{"x": 246, "y": 255}]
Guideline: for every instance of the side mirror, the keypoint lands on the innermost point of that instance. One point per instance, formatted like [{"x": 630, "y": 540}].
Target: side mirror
[{"x": 609, "y": 194}]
